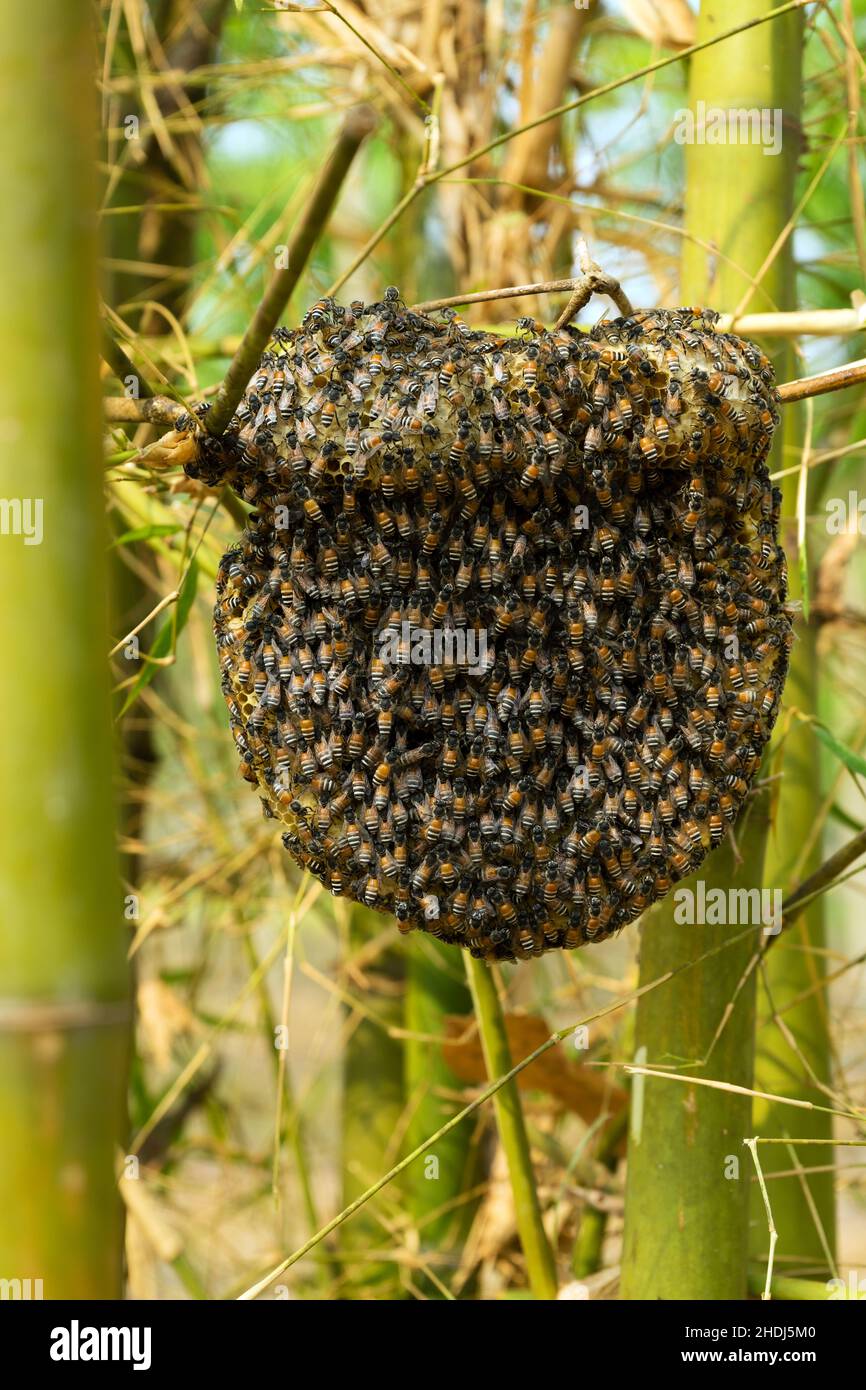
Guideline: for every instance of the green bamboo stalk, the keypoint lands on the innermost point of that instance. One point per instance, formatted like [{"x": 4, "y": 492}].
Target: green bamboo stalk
[
  {"x": 586, "y": 1255},
  {"x": 743, "y": 202},
  {"x": 687, "y": 1190},
  {"x": 787, "y": 1290},
  {"x": 793, "y": 966},
  {"x": 373, "y": 1107},
  {"x": 686, "y": 1225},
  {"x": 64, "y": 1011},
  {"x": 434, "y": 1190},
  {"x": 540, "y": 1263},
  {"x": 804, "y": 1207}
]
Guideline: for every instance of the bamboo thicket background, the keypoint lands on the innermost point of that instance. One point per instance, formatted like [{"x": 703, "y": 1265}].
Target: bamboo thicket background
[{"x": 216, "y": 118}]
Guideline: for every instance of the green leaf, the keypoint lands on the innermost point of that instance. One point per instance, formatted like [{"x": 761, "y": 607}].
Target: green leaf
[
  {"x": 853, "y": 761},
  {"x": 146, "y": 533},
  {"x": 165, "y": 641},
  {"x": 842, "y": 816}
]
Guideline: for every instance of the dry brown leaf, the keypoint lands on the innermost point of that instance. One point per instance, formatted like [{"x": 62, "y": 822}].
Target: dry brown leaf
[
  {"x": 173, "y": 450},
  {"x": 582, "y": 1089},
  {"x": 832, "y": 575}
]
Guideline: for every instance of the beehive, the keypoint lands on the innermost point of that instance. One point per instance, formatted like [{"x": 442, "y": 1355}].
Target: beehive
[{"x": 506, "y": 633}]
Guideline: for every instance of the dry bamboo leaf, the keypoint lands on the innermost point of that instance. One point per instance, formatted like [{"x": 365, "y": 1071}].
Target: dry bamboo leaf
[
  {"x": 832, "y": 574},
  {"x": 147, "y": 1213},
  {"x": 383, "y": 46},
  {"x": 494, "y": 1226},
  {"x": 163, "y": 1016},
  {"x": 668, "y": 23},
  {"x": 142, "y": 1282},
  {"x": 582, "y": 1089},
  {"x": 544, "y": 85}
]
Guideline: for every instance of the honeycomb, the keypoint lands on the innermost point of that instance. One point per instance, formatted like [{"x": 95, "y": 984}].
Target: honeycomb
[{"x": 506, "y": 633}]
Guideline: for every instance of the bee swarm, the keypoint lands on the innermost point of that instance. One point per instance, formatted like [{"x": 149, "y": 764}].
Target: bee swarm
[{"x": 593, "y": 514}]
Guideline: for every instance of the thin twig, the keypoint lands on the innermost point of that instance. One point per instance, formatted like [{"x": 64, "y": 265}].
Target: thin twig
[
  {"x": 474, "y": 155},
  {"x": 153, "y": 410},
  {"x": 690, "y": 1080},
  {"x": 823, "y": 877},
  {"x": 122, "y": 367},
  {"x": 380, "y": 57},
  {"x": 813, "y": 1211},
  {"x": 837, "y": 379},
  {"x": 592, "y": 280},
  {"x": 752, "y": 1146},
  {"x": 484, "y": 296},
  {"x": 357, "y": 125},
  {"x": 154, "y": 612},
  {"x": 816, "y": 323}
]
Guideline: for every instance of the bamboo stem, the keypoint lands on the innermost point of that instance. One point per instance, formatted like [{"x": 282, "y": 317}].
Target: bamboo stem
[
  {"x": 540, "y": 1264},
  {"x": 372, "y": 1107},
  {"x": 433, "y": 1191},
  {"x": 796, "y": 323},
  {"x": 356, "y": 127},
  {"x": 586, "y": 1256},
  {"x": 687, "y": 1215},
  {"x": 790, "y": 1060},
  {"x": 837, "y": 379},
  {"x": 787, "y": 1290},
  {"x": 64, "y": 1036},
  {"x": 792, "y": 968},
  {"x": 154, "y": 410},
  {"x": 686, "y": 1220},
  {"x": 822, "y": 878}
]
